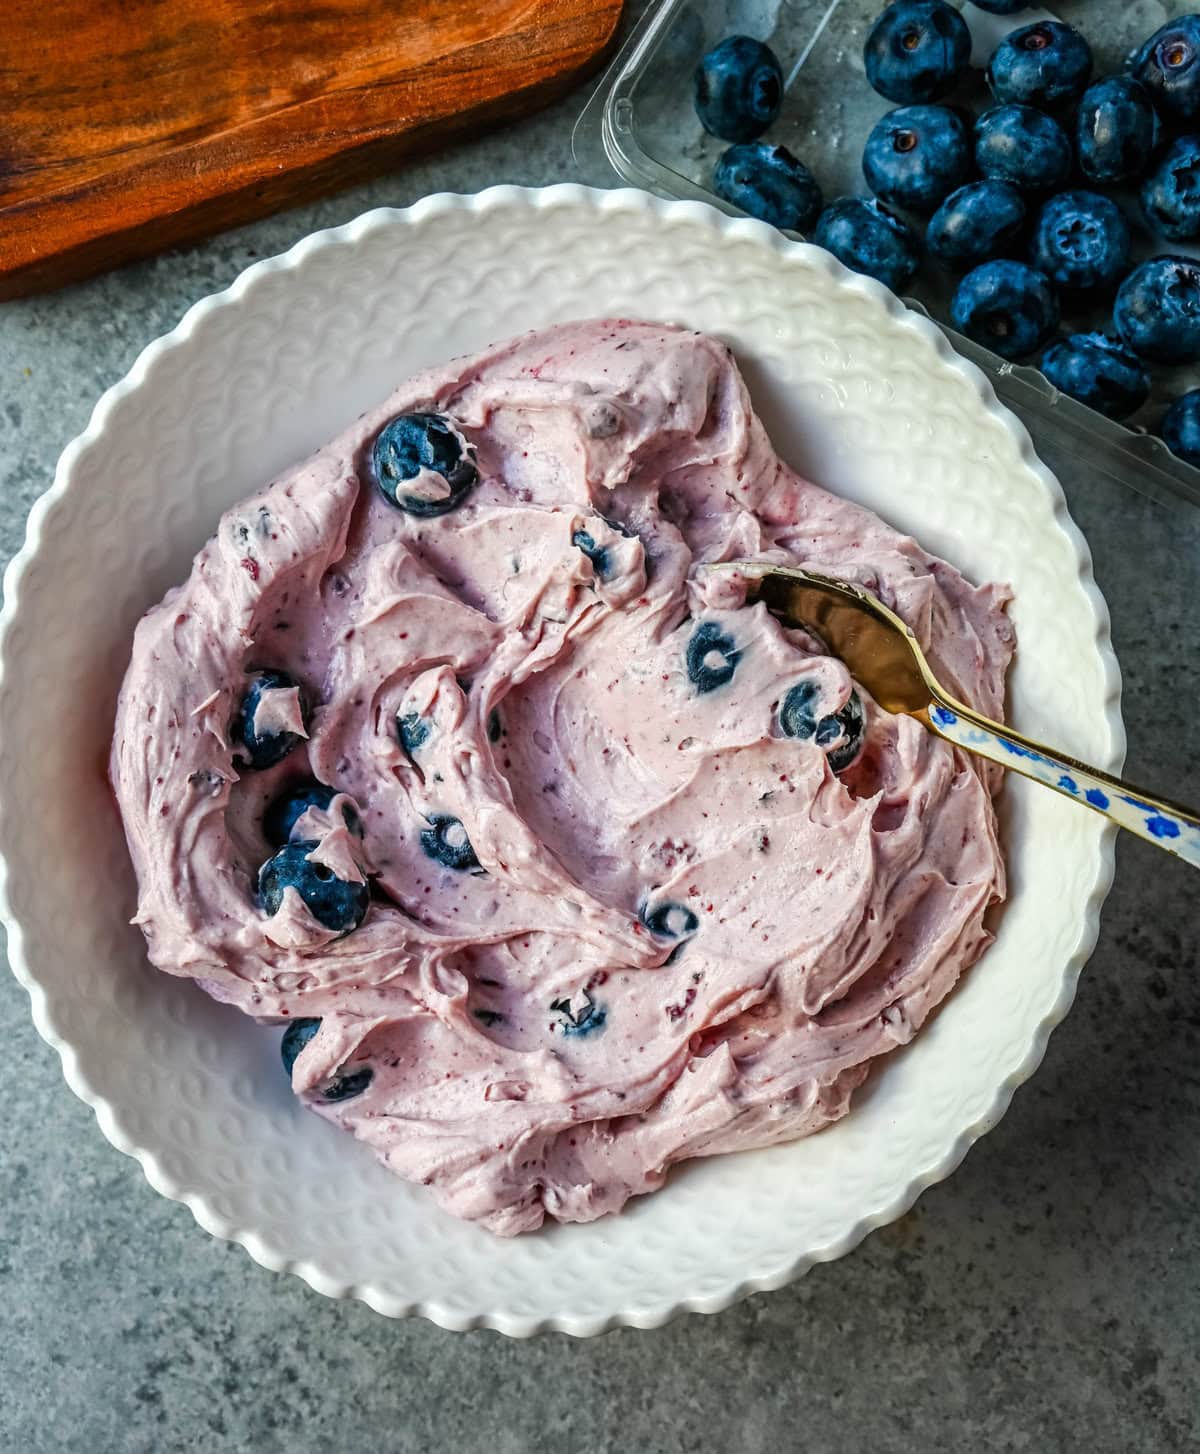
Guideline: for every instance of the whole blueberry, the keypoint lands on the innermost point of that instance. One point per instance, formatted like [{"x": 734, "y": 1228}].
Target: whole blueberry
[
  {"x": 1043, "y": 64},
  {"x": 1157, "y": 311},
  {"x": 738, "y": 88},
  {"x": 840, "y": 733},
  {"x": 861, "y": 233},
  {"x": 1171, "y": 193},
  {"x": 916, "y": 50},
  {"x": 281, "y": 817},
  {"x": 1168, "y": 65},
  {"x": 296, "y": 1037},
  {"x": 981, "y": 220},
  {"x": 1081, "y": 241},
  {"x": 265, "y": 748},
  {"x": 1008, "y": 307},
  {"x": 584, "y": 541},
  {"x": 915, "y": 155},
  {"x": 1023, "y": 147},
  {"x": 1116, "y": 130},
  {"x": 414, "y": 445},
  {"x": 712, "y": 657},
  {"x": 1098, "y": 371},
  {"x": 1181, "y": 427},
  {"x": 446, "y": 842},
  {"x": 669, "y": 920},
  {"x": 769, "y": 183},
  {"x": 332, "y": 901}
]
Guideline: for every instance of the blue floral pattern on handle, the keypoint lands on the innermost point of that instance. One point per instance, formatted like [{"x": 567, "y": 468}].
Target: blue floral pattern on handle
[{"x": 1168, "y": 826}]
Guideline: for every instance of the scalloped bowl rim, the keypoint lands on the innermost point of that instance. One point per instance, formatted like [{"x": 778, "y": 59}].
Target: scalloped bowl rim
[{"x": 547, "y": 198}]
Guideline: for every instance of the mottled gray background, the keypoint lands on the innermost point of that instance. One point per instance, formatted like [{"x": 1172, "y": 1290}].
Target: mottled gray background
[{"x": 1045, "y": 1298}]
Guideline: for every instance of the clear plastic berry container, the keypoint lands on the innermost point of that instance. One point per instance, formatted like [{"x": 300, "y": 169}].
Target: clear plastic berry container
[{"x": 640, "y": 127}]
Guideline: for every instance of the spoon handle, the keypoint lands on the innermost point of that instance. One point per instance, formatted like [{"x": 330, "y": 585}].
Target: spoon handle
[{"x": 1166, "y": 824}]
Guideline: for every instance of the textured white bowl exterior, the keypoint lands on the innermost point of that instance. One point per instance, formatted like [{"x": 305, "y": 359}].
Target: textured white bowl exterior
[{"x": 861, "y": 394}]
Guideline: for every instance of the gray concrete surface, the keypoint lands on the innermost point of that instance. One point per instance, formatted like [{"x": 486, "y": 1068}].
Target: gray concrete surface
[{"x": 1045, "y": 1298}]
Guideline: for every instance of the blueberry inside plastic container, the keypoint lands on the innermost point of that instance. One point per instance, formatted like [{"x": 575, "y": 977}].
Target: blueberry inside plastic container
[{"x": 640, "y": 128}]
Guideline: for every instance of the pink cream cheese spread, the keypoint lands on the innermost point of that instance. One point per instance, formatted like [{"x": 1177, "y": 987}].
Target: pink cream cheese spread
[{"x": 641, "y": 874}]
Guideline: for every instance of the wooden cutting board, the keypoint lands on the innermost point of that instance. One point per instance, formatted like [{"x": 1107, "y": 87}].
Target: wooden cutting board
[{"x": 128, "y": 126}]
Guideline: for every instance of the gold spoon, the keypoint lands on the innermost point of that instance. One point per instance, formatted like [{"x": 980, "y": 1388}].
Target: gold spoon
[{"x": 882, "y": 653}]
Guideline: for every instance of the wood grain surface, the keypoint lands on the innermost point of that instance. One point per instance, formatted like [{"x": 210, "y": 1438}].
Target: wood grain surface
[{"x": 129, "y": 126}]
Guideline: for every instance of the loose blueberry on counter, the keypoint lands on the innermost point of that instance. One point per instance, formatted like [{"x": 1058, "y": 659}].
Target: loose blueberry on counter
[
  {"x": 333, "y": 902},
  {"x": 446, "y": 842},
  {"x": 769, "y": 183},
  {"x": 861, "y": 233},
  {"x": 1081, "y": 241},
  {"x": 270, "y": 747},
  {"x": 798, "y": 719},
  {"x": 738, "y": 88},
  {"x": 1116, "y": 130},
  {"x": 413, "y": 731},
  {"x": 1171, "y": 193},
  {"x": 1168, "y": 65},
  {"x": 1043, "y": 64},
  {"x": 411, "y": 443},
  {"x": 295, "y": 1038},
  {"x": 597, "y": 554},
  {"x": 1098, "y": 371},
  {"x": 1008, "y": 307},
  {"x": 1023, "y": 147},
  {"x": 712, "y": 657},
  {"x": 978, "y": 222},
  {"x": 669, "y": 920},
  {"x": 1157, "y": 311},
  {"x": 916, "y": 155},
  {"x": 281, "y": 817},
  {"x": 1181, "y": 427},
  {"x": 916, "y": 50}
]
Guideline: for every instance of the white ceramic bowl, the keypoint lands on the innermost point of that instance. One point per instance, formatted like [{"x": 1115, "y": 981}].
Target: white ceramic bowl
[{"x": 856, "y": 391}]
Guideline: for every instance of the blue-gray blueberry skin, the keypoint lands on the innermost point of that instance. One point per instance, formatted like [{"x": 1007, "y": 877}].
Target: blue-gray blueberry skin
[
  {"x": 1081, "y": 242},
  {"x": 411, "y": 443},
  {"x": 1168, "y": 65},
  {"x": 867, "y": 238},
  {"x": 916, "y": 155},
  {"x": 980, "y": 221},
  {"x": 1099, "y": 371},
  {"x": 445, "y": 841},
  {"x": 285, "y": 811},
  {"x": 738, "y": 88},
  {"x": 255, "y": 750},
  {"x": 296, "y": 1037},
  {"x": 1170, "y": 194},
  {"x": 769, "y": 183},
  {"x": 1181, "y": 427},
  {"x": 1157, "y": 311},
  {"x": 337, "y": 904},
  {"x": 1024, "y": 147},
  {"x": 1006, "y": 306},
  {"x": 846, "y": 727},
  {"x": 1116, "y": 130},
  {"x": 916, "y": 51},
  {"x": 711, "y": 658},
  {"x": 1046, "y": 64}
]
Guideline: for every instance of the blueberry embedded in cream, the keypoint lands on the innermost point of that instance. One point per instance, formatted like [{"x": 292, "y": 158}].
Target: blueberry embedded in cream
[
  {"x": 446, "y": 842},
  {"x": 583, "y": 540},
  {"x": 621, "y": 763},
  {"x": 423, "y": 465},
  {"x": 335, "y": 903},
  {"x": 839, "y": 734},
  {"x": 271, "y": 719},
  {"x": 341, "y": 1087},
  {"x": 286, "y": 811},
  {"x": 712, "y": 657}
]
